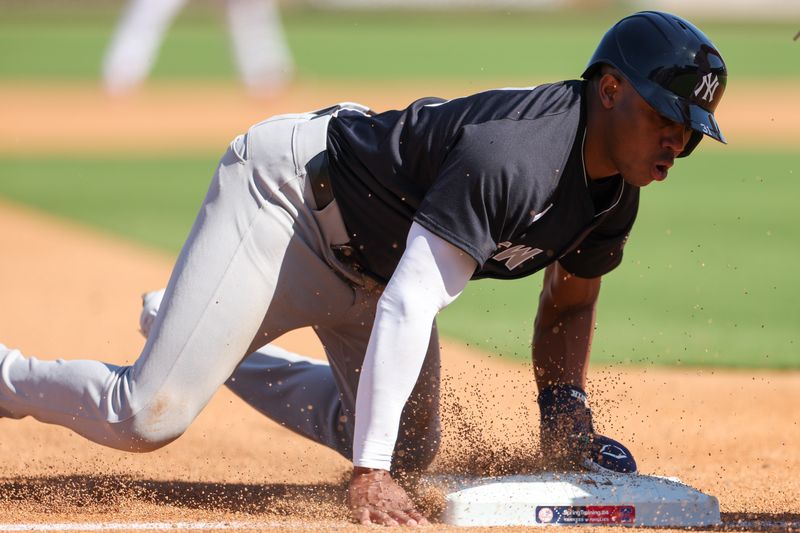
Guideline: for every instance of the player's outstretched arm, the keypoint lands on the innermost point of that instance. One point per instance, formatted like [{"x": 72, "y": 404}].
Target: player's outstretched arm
[
  {"x": 429, "y": 276},
  {"x": 562, "y": 342},
  {"x": 562, "y": 333}
]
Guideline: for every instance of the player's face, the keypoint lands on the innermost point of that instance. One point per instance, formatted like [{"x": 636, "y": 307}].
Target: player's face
[{"x": 648, "y": 143}]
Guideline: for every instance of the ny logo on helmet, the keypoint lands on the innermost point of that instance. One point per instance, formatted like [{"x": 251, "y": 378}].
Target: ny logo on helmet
[{"x": 709, "y": 82}]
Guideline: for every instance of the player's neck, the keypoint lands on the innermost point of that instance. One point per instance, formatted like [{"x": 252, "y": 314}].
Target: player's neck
[{"x": 597, "y": 159}]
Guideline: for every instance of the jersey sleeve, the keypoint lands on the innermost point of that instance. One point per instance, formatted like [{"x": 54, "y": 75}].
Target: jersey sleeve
[
  {"x": 482, "y": 195},
  {"x": 601, "y": 251}
]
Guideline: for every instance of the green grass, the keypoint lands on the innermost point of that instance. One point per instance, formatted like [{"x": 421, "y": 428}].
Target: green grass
[
  {"x": 149, "y": 200},
  {"x": 67, "y": 40},
  {"x": 708, "y": 277}
]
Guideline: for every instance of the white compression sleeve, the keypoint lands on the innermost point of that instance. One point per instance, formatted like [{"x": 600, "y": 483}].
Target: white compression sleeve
[{"x": 430, "y": 275}]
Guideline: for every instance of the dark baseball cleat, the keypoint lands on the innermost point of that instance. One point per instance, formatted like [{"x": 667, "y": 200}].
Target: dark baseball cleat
[{"x": 568, "y": 440}]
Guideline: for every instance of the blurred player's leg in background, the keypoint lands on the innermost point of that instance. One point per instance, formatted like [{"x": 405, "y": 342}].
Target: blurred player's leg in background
[
  {"x": 259, "y": 44},
  {"x": 136, "y": 42}
]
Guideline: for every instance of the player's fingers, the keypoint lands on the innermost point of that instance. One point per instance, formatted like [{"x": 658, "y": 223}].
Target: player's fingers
[
  {"x": 361, "y": 515},
  {"x": 418, "y": 517},
  {"x": 403, "y": 518},
  {"x": 382, "y": 517}
]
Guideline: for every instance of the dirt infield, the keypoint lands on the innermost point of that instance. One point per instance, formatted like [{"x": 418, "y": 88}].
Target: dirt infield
[
  {"x": 70, "y": 292},
  {"x": 77, "y": 117}
]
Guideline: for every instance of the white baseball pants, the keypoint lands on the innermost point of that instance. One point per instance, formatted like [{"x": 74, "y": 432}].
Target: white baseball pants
[{"x": 256, "y": 264}]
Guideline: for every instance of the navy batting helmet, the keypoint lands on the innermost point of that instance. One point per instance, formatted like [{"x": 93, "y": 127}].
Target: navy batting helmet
[{"x": 672, "y": 65}]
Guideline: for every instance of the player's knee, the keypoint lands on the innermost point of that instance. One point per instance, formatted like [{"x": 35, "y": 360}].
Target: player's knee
[{"x": 162, "y": 421}]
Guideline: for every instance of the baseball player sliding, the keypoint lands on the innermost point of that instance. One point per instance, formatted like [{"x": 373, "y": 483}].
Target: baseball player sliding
[{"x": 365, "y": 226}]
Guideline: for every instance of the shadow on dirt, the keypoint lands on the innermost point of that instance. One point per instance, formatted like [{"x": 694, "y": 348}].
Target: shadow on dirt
[
  {"x": 759, "y": 522},
  {"x": 314, "y": 500}
]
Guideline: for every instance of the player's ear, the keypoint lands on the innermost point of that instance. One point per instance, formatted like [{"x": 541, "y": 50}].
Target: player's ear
[{"x": 608, "y": 88}]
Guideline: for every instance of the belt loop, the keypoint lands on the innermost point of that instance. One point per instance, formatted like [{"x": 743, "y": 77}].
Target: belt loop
[{"x": 311, "y": 143}]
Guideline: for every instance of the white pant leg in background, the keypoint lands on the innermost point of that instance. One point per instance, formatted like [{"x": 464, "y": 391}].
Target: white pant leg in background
[
  {"x": 136, "y": 41},
  {"x": 259, "y": 44}
]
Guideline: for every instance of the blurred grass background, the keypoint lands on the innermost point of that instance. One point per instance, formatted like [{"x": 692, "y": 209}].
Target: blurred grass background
[
  {"x": 67, "y": 40},
  {"x": 708, "y": 277}
]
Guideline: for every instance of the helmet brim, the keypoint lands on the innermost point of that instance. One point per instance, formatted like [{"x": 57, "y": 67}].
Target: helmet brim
[
  {"x": 703, "y": 121},
  {"x": 680, "y": 110}
]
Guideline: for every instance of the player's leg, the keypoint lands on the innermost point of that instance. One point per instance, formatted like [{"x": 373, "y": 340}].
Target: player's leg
[
  {"x": 259, "y": 44},
  {"x": 295, "y": 391},
  {"x": 298, "y": 392},
  {"x": 301, "y": 393},
  {"x": 420, "y": 431},
  {"x": 221, "y": 289},
  {"x": 317, "y": 399},
  {"x": 211, "y": 311},
  {"x": 136, "y": 41}
]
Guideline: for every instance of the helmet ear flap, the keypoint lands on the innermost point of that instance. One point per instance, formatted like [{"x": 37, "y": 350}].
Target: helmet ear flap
[{"x": 694, "y": 140}]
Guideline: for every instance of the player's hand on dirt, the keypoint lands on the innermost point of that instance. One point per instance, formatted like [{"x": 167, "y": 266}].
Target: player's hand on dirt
[{"x": 375, "y": 498}]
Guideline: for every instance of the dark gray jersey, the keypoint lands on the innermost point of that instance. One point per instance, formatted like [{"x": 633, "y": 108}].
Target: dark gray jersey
[{"x": 498, "y": 174}]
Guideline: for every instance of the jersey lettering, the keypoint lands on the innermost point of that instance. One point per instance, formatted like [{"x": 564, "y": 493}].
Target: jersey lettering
[{"x": 515, "y": 255}]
